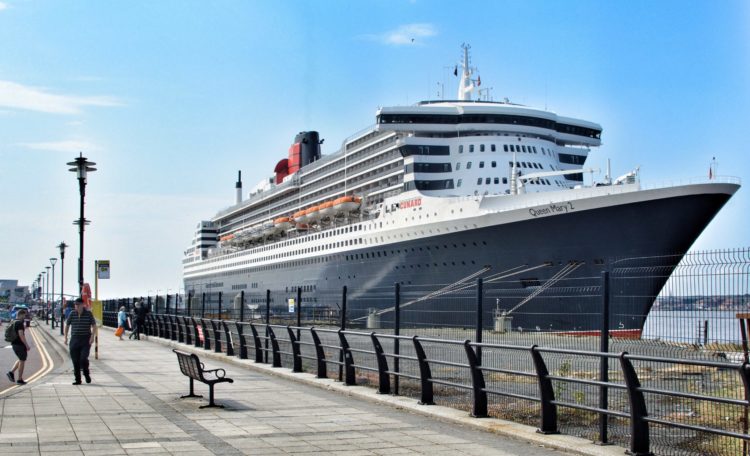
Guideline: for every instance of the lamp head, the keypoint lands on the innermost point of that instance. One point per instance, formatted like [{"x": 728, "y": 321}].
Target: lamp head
[
  {"x": 82, "y": 166},
  {"x": 53, "y": 261}
]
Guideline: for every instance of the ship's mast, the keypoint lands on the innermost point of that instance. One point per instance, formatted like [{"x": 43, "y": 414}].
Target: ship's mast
[{"x": 466, "y": 86}]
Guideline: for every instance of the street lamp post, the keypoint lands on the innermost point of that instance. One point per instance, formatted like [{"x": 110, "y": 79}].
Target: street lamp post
[
  {"x": 52, "y": 262},
  {"x": 62, "y": 247},
  {"x": 46, "y": 296},
  {"x": 82, "y": 167},
  {"x": 38, "y": 289}
]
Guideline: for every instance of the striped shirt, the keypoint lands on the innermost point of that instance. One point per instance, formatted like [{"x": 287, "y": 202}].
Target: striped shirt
[{"x": 80, "y": 325}]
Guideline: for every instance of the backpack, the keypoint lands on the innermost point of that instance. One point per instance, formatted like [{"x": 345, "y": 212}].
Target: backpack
[{"x": 10, "y": 332}]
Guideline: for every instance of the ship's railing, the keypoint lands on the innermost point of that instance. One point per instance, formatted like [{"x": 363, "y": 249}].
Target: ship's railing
[
  {"x": 440, "y": 370},
  {"x": 692, "y": 181}
]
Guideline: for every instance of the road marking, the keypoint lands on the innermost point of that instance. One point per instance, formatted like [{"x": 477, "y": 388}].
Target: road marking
[
  {"x": 46, "y": 360},
  {"x": 46, "y": 363}
]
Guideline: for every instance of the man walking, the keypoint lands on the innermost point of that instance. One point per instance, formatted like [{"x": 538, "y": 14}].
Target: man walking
[
  {"x": 20, "y": 348},
  {"x": 81, "y": 327}
]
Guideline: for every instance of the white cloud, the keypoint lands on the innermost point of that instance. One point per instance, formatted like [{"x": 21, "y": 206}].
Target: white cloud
[
  {"x": 408, "y": 34},
  {"x": 3, "y": 6},
  {"x": 73, "y": 146},
  {"x": 18, "y": 96}
]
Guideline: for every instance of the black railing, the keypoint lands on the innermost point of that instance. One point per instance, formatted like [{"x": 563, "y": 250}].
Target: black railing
[
  {"x": 573, "y": 381},
  {"x": 358, "y": 347}
]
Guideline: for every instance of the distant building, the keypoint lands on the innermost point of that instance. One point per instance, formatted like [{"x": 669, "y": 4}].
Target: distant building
[{"x": 11, "y": 293}]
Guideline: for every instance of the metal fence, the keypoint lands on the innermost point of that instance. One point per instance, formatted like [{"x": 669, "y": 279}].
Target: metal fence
[{"x": 690, "y": 347}]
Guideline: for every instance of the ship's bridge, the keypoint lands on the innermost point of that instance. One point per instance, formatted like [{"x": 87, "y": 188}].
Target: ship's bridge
[{"x": 465, "y": 117}]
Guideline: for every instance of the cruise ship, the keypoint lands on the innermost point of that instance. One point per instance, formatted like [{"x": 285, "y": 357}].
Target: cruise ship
[{"x": 438, "y": 194}]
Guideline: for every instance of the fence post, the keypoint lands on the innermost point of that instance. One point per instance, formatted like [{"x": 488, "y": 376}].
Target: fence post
[
  {"x": 384, "y": 384},
  {"x": 604, "y": 361},
  {"x": 219, "y": 312},
  {"x": 215, "y": 326},
  {"x": 320, "y": 354},
  {"x": 206, "y": 334},
  {"x": 639, "y": 432},
  {"x": 274, "y": 347},
  {"x": 268, "y": 322},
  {"x": 203, "y": 304},
  {"x": 190, "y": 302},
  {"x": 296, "y": 360},
  {"x": 348, "y": 359},
  {"x": 397, "y": 333},
  {"x": 479, "y": 409},
  {"x": 745, "y": 375},
  {"x": 342, "y": 327},
  {"x": 548, "y": 419},
  {"x": 186, "y": 321},
  {"x": 242, "y": 305},
  {"x": 258, "y": 346},
  {"x": 298, "y": 310},
  {"x": 243, "y": 342},
  {"x": 197, "y": 340},
  {"x": 228, "y": 339},
  {"x": 480, "y": 319},
  {"x": 425, "y": 375}
]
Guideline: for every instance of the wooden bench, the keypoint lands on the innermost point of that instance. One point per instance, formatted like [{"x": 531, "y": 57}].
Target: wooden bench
[{"x": 193, "y": 368}]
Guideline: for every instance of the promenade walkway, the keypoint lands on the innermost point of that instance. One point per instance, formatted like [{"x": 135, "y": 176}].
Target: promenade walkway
[{"x": 133, "y": 407}]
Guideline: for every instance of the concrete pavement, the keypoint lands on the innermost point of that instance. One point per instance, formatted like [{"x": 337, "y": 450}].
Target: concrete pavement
[{"x": 133, "y": 406}]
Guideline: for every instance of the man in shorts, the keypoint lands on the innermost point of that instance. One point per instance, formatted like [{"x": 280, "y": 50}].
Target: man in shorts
[{"x": 20, "y": 348}]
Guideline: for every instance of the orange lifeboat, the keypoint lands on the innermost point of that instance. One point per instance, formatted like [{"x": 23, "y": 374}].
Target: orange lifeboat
[
  {"x": 326, "y": 210},
  {"x": 313, "y": 214},
  {"x": 283, "y": 223},
  {"x": 226, "y": 237},
  {"x": 346, "y": 204},
  {"x": 300, "y": 216}
]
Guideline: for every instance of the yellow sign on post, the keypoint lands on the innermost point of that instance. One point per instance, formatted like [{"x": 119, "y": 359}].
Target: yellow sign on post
[{"x": 98, "y": 311}]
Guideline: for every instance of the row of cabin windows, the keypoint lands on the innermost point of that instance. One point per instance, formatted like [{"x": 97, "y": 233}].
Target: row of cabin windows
[
  {"x": 522, "y": 148},
  {"x": 384, "y": 253},
  {"x": 445, "y": 184},
  {"x": 496, "y": 180},
  {"x": 487, "y": 181},
  {"x": 493, "y": 164},
  {"x": 527, "y": 165}
]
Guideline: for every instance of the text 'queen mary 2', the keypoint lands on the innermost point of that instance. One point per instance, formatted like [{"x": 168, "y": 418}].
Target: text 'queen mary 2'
[{"x": 441, "y": 193}]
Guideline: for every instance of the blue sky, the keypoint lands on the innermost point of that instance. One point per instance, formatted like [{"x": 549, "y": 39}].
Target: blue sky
[{"x": 171, "y": 98}]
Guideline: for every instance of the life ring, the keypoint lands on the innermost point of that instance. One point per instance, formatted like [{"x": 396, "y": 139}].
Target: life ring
[{"x": 86, "y": 295}]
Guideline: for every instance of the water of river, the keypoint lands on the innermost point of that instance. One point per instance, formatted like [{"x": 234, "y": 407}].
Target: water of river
[{"x": 688, "y": 326}]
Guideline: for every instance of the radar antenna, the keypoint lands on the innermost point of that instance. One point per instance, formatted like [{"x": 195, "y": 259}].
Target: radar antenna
[{"x": 466, "y": 85}]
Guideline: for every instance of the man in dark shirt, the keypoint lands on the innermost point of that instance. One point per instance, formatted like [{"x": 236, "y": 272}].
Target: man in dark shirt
[
  {"x": 81, "y": 327},
  {"x": 20, "y": 348}
]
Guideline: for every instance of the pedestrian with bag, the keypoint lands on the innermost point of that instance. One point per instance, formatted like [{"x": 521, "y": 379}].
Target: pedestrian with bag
[
  {"x": 81, "y": 328},
  {"x": 15, "y": 334},
  {"x": 122, "y": 321}
]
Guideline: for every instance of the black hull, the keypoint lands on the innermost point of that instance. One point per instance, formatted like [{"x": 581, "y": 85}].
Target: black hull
[{"x": 657, "y": 232}]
